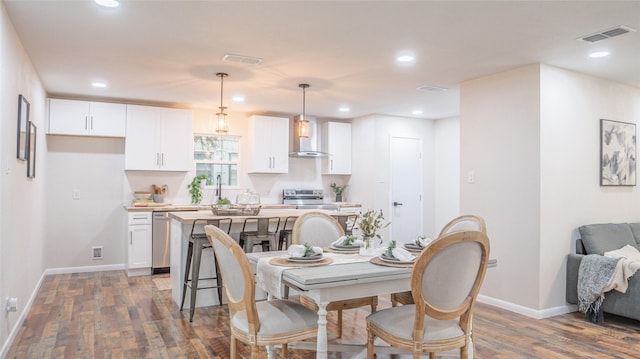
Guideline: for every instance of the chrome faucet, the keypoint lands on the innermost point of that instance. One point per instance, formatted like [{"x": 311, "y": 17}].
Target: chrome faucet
[{"x": 219, "y": 187}]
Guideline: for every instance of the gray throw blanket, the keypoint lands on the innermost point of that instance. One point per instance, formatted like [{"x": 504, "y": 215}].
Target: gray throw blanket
[{"x": 594, "y": 275}]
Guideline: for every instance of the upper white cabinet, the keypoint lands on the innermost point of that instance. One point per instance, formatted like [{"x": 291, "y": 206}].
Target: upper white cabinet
[
  {"x": 336, "y": 140},
  {"x": 84, "y": 118},
  {"x": 269, "y": 141},
  {"x": 158, "y": 139}
]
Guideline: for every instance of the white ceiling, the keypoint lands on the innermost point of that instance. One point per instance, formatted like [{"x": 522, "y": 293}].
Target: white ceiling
[{"x": 169, "y": 51}]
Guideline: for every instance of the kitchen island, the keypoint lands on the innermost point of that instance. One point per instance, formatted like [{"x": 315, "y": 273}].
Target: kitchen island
[{"x": 181, "y": 223}]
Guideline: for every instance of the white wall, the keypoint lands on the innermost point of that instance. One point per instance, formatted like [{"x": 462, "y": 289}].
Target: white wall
[
  {"x": 370, "y": 179},
  {"x": 446, "y": 171},
  {"x": 500, "y": 142},
  {"x": 22, "y": 204},
  {"x": 532, "y": 137},
  {"x": 572, "y": 105}
]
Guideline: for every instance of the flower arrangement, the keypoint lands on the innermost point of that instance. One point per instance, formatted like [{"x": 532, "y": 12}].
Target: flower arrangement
[{"x": 369, "y": 224}]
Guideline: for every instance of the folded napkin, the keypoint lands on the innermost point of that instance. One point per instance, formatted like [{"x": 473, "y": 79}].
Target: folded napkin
[
  {"x": 402, "y": 254},
  {"x": 340, "y": 242},
  {"x": 423, "y": 241},
  {"x": 297, "y": 250}
]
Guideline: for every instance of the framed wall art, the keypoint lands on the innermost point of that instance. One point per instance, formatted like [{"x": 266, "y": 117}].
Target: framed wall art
[
  {"x": 31, "y": 151},
  {"x": 23, "y": 122},
  {"x": 617, "y": 153}
]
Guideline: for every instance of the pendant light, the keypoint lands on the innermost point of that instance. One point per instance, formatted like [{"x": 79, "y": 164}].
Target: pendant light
[
  {"x": 302, "y": 123},
  {"x": 222, "y": 124}
]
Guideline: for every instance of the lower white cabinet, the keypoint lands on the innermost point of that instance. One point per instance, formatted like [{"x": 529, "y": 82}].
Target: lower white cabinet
[{"x": 139, "y": 255}]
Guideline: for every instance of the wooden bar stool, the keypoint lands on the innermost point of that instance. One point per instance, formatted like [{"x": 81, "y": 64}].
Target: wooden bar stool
[{"x": 197, "y": 243}]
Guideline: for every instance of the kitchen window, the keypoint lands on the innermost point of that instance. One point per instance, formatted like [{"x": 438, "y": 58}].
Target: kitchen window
[{"x": 217, "y": 155}]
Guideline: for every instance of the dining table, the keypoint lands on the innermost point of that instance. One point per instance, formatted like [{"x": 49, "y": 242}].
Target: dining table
[{"x": 347, "y": 276}]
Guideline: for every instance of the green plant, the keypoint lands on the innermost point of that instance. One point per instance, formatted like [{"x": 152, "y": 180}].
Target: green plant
[
  {"x": 389, "y": 252},
  {"x": 370, "y": 223},
  {"x": 337, "y": 189},
  {"x": 194, "y": 188},
  {"x": 308, "y": 250}
]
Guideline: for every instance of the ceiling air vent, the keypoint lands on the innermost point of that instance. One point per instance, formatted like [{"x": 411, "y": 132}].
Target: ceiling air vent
[
  {"x": 608, "y": 33},
  {"x": 432, "y": 88},
  {"x": 249, "y": 60}
]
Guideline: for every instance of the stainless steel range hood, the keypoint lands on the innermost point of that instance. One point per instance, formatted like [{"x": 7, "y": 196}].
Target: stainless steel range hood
[{"x": 306, "y": 146}]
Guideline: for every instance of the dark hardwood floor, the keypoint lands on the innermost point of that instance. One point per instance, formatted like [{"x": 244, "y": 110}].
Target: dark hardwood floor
[{"x": 108, "y": 315}]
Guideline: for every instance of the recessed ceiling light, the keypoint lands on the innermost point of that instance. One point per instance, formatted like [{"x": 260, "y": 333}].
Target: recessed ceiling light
[
  {"x": 416, "y": 112},
  {"x": 344, "y": 109},
  {"x": 108, "y": 3},
  {"x": 237, "y": 98},
  {"x": 405, "y": 59},
  {"x": 598, "y": 54},
  {"x": 99, "y": 84}
]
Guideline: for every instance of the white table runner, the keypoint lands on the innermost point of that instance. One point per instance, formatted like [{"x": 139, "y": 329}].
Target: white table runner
[{"x": 269, "y": 276}]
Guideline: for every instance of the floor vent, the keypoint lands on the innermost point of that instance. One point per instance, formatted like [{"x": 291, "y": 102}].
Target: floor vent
[
  {"x": 249, "y": 60},
  {"x": 606, "y": 34},
  {"x": 96, "y": 252}
]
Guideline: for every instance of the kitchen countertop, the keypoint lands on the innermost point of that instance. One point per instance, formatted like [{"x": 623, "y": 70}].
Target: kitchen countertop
[
  {"x": 191, "y": 207},
  {"x": 189, "y": 217}
]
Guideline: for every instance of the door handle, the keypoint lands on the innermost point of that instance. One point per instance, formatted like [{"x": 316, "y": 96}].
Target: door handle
[{"x": 396, "y": 204}]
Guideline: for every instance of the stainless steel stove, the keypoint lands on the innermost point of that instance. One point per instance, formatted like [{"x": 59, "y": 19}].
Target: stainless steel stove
[{"x": 306, "y": 199}]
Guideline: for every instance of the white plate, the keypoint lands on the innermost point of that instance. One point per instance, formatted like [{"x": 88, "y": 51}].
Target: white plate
[
  {"x": 345, "y": 248},
  {"x": 413, "y": 247},
  {"x": 306, "y": 259},
  {"x": 384, "y": 258}
]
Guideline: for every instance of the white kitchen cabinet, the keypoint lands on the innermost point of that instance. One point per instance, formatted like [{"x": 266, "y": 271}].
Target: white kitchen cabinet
[
  {"x": 269, "y": 141},
  {"x": 158, "y": 139},
  {"x": 85, "y": 118},
  {"x": 336, "y": 140},
  {"x": 139, "y": 243}
]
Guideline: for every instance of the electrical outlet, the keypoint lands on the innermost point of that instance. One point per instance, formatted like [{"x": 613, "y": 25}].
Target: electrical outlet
[
  {"x": 97, "y": 252},
  {"x": 12, "y": 304},
  {"x": 471, "y": 176},
  {"x": 76, "y": 194}
]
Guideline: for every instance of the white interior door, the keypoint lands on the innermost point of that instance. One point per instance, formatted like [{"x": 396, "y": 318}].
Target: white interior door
[{"x": 406, "y": 188}]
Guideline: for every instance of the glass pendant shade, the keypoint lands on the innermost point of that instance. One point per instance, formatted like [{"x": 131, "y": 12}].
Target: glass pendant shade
[
  {"x": 222, "y": 124},
  {"x": 303, "y": 124}
]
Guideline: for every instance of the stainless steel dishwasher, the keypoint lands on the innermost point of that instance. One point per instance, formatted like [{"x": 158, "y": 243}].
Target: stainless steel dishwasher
[
  {"x": 161, "y": 240},
  {"x": 161, "y": 243}
]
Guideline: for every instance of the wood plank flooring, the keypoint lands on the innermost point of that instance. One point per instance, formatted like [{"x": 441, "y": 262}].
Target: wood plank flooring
[{"x": 109, "y": 315}]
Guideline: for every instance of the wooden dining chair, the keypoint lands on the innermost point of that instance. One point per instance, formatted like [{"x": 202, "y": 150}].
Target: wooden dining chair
[
  {"x": 319, "y": 229},
  {"x": 464, "y": 222},
  {"x": 256, "y": 323},
  {"x": 445, "y": 283}
]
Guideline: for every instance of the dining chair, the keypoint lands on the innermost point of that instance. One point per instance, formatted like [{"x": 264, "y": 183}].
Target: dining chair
[
  {"x": 464, "y": 222},
  {"x": 259, "y": 230},
  {"x": 261, "y": 323},
  {"x": 445, "y": 282},
  {"x": 320, "y": 229},
  {"x": 197, "y": 244}
]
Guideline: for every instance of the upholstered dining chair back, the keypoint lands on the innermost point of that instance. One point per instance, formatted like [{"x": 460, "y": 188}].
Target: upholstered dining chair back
[
  {"x": 236, "y": 273},
  {"x": 445, "y": 282},
  {"x": 264, "y": 323},
  {"x": 316, "y": 228},
  {"x": 464, "y": 222}
]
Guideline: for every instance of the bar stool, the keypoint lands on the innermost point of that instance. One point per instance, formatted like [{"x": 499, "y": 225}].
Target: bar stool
[
  {"x": 266, "y": 229},
  {"x": 347, "y": 222},
  {"x": 197, "y": 242},
  {"x": 284, "y": 238}
]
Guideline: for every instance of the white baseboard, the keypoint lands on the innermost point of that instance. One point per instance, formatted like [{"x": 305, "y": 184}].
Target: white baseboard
[
  {"x": 14, "y": 331},
  {"x": 532, "y": 313},
  {"x": 85, "y": 269}
]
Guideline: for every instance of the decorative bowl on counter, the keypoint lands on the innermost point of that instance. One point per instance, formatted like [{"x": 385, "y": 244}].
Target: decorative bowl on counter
[{"x": 235, "y": 210}]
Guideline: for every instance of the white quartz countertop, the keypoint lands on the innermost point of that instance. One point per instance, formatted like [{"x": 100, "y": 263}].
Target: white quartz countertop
[{"x": 189, "y": 217}]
